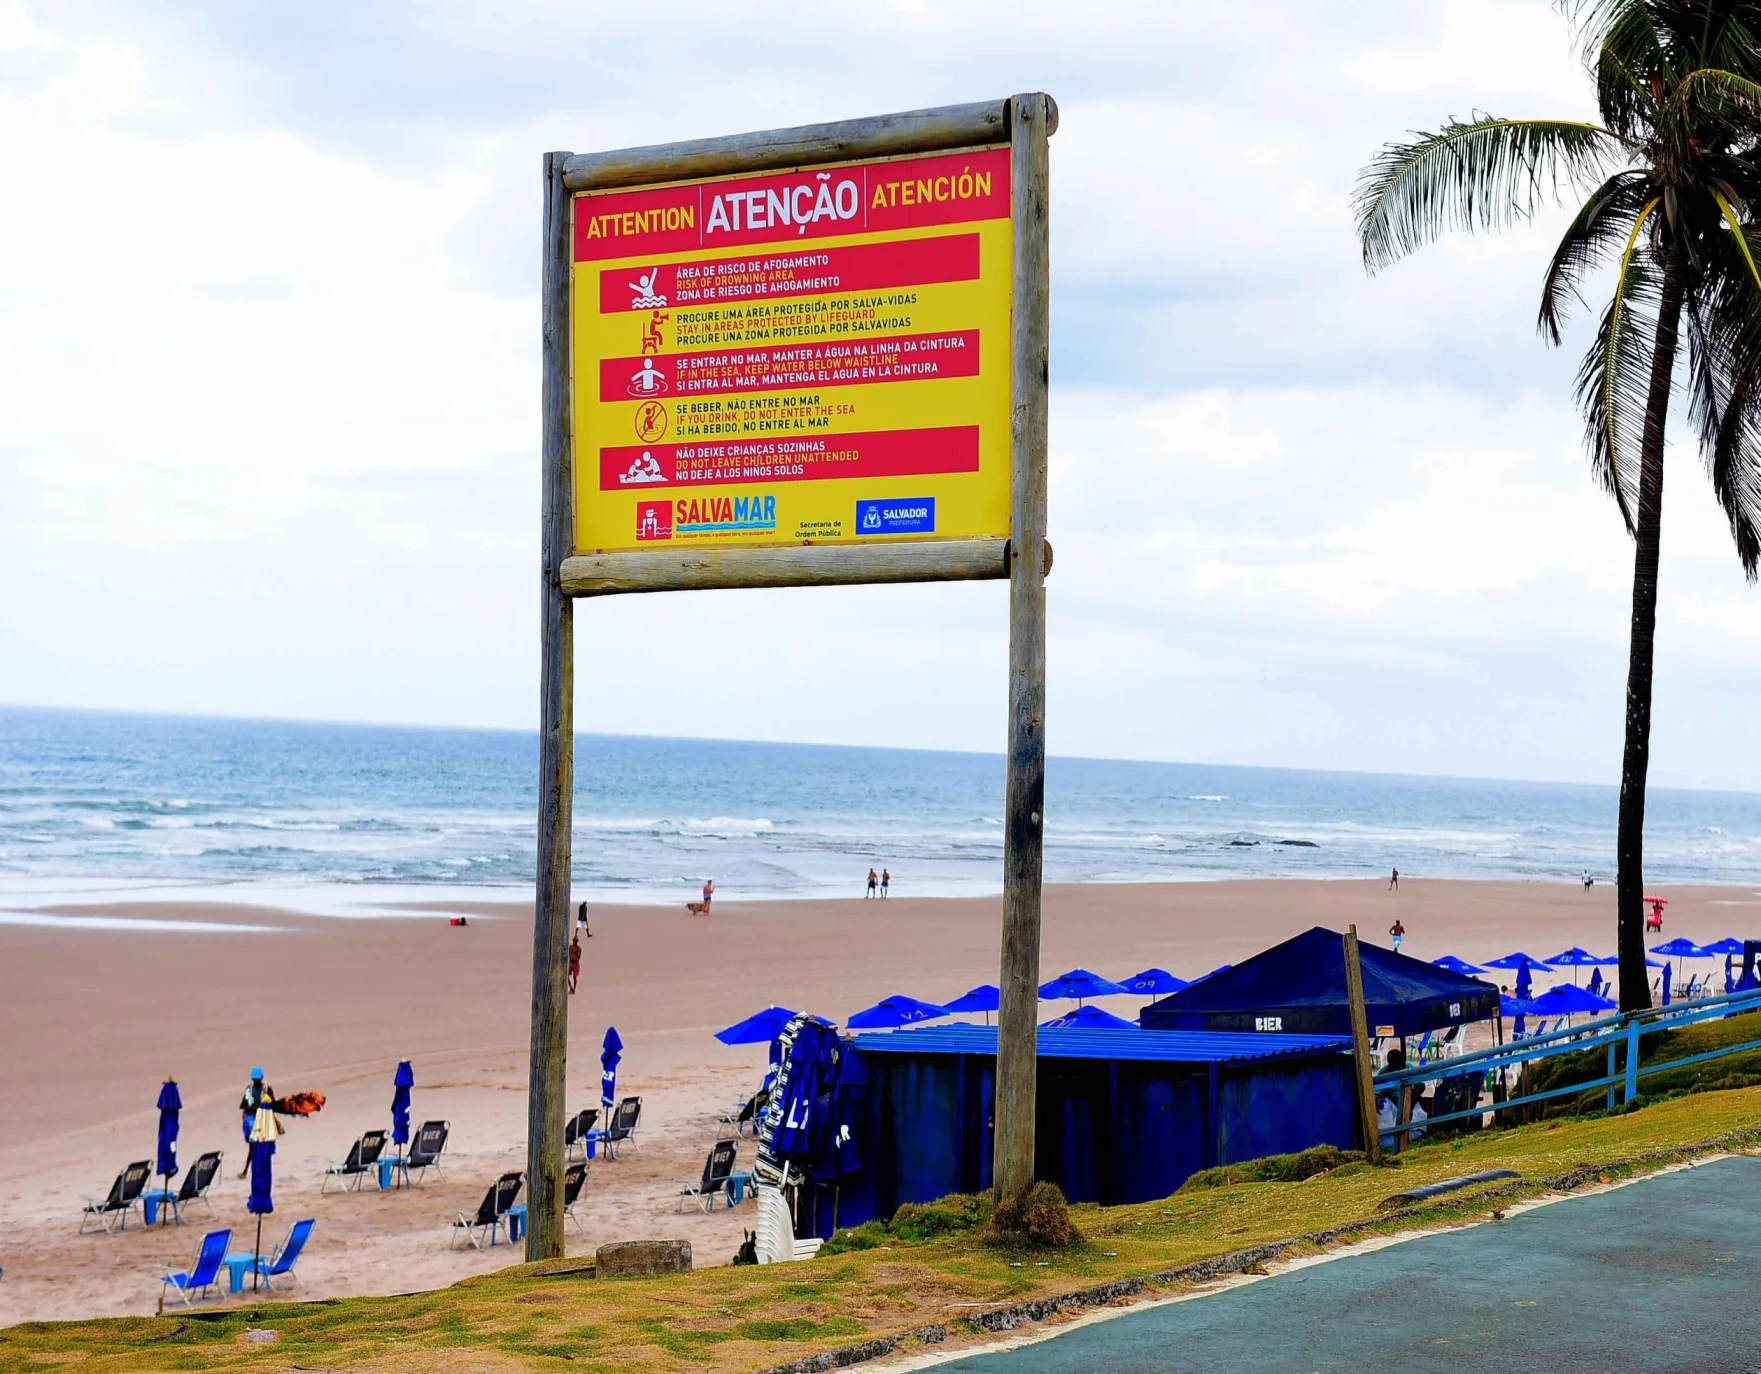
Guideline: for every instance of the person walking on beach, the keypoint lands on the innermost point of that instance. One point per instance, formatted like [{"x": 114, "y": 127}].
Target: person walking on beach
[
  {"x": 581, "y": 929},
  {"x": 873, "y": 883},
  {"x": 574, "y": 964},
  {"x": 1394, "y": 880},
  {"x": 708, "y": 892},
  {"x": 1395, "y": 932},
  {"x": 886, "y": 878}
]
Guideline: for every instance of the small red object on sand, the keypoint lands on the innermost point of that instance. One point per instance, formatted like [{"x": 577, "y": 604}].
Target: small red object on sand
[{"x": 458, "y": 921}]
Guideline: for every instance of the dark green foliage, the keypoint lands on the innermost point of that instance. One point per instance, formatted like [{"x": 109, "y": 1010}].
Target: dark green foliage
[
  {"x": 1318, "y": 1159},
  {"x": 748, "y": 1251},
  {"x": 1041, "y": 1219},
  {"x": 914, "y": 1223}
]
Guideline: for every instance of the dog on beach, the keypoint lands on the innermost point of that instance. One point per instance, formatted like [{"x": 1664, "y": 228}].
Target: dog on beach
[{"x": 697, "y": 908}]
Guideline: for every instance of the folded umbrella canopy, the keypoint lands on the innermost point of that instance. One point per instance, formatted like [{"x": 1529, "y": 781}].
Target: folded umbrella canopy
[
  {"x": 610, "y": 1052},
  {"x": 264, "y": 1129},
  {"x": 401, "y": 1083},
  {"x": 897, "y": 1010},
  {"x": 1079, "y": 983},
  {"x": 788, "y": 1138},
  {"x": 1461, "y": 966},
  {"x": 1153, "y": 982},
  {"x": 170, "y": 1104},
  {"x": 1087, "y": 1018},
  {"x": 757, "y": 1029}
]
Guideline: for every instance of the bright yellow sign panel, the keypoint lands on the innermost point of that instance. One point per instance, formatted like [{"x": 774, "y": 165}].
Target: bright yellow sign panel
[{"x": 809, "y": 357}]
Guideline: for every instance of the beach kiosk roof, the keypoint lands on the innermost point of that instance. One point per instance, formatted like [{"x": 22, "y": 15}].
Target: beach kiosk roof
[{"x": 1298, "y": 988}]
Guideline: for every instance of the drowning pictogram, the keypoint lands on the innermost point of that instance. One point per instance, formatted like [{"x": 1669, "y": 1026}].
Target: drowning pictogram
[{"x": 646, "y": 297}]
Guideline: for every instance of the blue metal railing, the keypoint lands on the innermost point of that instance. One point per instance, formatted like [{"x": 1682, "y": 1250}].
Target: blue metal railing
[{"x": 1609, "y": 1032}]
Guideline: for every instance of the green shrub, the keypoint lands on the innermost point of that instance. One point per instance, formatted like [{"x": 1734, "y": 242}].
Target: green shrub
[
  {"x": 914, "y": 1224},
  {"x": 1317, "y": 1159}
]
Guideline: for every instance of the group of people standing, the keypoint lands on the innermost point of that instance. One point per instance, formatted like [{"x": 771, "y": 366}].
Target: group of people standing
[{"x": 878, "y": 885}]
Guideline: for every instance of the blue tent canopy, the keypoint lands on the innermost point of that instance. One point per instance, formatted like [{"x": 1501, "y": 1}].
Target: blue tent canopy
[
  {"x": 1087, "y": 1018},
  {"x": 1298, "y": 988},
  {"x": 981, "y": 998}
]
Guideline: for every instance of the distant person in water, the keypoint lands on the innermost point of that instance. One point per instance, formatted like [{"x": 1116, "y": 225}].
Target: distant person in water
[
  {"x": 581, "y": 923},
  {"x": 1396, "y": 932},
  {"x": 574, "y": 963},
  {"x": 886, "y": 878},
  {"x": 873, "y": 883},
  {"x": 1394, "y": 880}
]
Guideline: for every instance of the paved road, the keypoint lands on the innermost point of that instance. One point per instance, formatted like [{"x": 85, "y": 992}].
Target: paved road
[{"x": 1660, "y": 1275}]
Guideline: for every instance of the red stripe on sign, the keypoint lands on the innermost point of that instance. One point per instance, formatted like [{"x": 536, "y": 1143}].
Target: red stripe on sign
[
  {"x": 881, "y": 453},
  {"x": 949, "y": 189},
  {"x": 668, "y": 220},
  {"x": 808, "y": 272},
  {"x": 902, "y": 358}
]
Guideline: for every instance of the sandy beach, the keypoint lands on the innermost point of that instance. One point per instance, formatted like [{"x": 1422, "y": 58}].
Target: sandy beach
[{"x": 94, "y": 1020}]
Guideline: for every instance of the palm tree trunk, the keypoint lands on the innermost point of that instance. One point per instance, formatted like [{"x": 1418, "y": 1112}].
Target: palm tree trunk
[{"x": 1635, "y": 985}]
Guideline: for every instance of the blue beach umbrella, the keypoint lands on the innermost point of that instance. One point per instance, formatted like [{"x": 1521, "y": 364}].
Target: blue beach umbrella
[
  {"x": 401, "y": 1083},
  {"x": 1154, "y": 982},
  {"x": 981, "y": 998},
  {"x": 1519, "y": 961},
  {"x": 1569, "y": 1000},
  {"x": 1726, "y": 947},
  {"x": 1087, "y": 1018},
  {"x": 170, "y": 1104},
  {"x": 1678, "y": 949},
  {"x": 610, "y": 1052},
  {"x": 896, "y": 1010},
  {"x": 1078, "y": 983},
  {"x": 758, "y": 1028},
  {"x": 1454, "y": 965},
  {"x": 1574, "y": 959}
]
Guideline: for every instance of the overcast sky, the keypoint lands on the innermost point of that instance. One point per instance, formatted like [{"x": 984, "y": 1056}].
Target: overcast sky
[{"x": 269, "y": 389}]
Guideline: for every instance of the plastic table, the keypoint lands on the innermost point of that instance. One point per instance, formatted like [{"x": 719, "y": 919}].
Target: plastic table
[
  {"x": 237, "y": 1266},
  {"x": 737, "y": 1186},
  {"x": 389, "y": 1167},
  {"x": 153, "y": 1201},
  {"x": 516, "y": 1223}
]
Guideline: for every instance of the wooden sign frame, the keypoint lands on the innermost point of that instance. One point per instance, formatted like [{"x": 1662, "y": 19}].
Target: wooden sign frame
[{"x": 1025, "y": 123}]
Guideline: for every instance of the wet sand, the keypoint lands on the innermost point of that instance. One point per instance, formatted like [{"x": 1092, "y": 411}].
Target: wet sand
[{"x": 92, "y": 1021}]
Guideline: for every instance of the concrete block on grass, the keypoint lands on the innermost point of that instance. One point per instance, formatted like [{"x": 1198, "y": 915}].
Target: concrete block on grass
[{"x": 643, "y": 1258}]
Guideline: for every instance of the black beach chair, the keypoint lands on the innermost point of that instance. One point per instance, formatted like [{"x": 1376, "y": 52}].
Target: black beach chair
[
  {"x": 125, "y": 1194},
  {"x": 621, "y": 1129},
  {"x": 716, "y": 1170},
  {"x": 491, "y": 1212},
  {"x": 574, "y": 1183},
  {"x": 196, "y": 1182},
  {"x": 363, "y": 1159},
  {"x": 579, "y": 1127},
  {"x": 746, "y": 1114},
  {"x": 425, "y": 1148}
]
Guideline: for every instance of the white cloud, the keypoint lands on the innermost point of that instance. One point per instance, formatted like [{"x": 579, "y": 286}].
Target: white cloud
[{"x": 268, "y": 391}]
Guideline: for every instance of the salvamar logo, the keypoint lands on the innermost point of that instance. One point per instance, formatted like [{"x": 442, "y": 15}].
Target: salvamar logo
[
  {"x": 643, "y": 469},
  {"x": 725, "y": 514}
]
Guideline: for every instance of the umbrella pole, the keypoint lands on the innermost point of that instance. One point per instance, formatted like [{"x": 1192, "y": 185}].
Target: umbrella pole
[{"x": 257, "y": 1256}]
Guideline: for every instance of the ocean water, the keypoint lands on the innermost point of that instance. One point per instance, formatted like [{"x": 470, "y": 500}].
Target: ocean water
[{"x": 105, "y": 804}]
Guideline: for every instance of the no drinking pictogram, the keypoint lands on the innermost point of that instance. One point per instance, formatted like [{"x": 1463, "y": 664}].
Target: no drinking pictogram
[{"x": 650, "y": 421}]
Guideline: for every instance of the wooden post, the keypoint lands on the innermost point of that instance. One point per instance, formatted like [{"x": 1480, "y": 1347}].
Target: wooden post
[
  {"x": 1031, "y": 121},
  {"x": 548, "y": 1071},
  {"x": 1360, "y": 1044}
]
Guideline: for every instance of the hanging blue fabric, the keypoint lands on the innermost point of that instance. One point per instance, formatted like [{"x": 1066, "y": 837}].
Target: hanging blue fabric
[
  {"x": 400, "y": 1102},
  {"x": 170, "y": 1104}
]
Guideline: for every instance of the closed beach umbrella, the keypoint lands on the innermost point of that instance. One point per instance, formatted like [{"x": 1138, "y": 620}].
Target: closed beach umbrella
[
  {"x": 264, "y": 1129},
  {"x": 1079, "y": 983},
  {"x": 401, "y": 1083},
  {"x": 1154, "y": 982},
  {"x": 896, "y": 1010},
  {"x": 981, "y": 998},
  {"x": 170, "y": 1104},
  {"x": 757, "y": 1029},
  {"x": 1524, "y": 984},
  {"x": 610, "y": 1052},
  {"x": 1087, "y": 1018},
  {"x": 1454, "y": 965}
]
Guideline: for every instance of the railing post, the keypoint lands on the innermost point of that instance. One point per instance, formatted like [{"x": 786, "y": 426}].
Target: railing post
[
  {"x": 1610, "y": 1075},
  {"x": 1632, "y": 1059}
]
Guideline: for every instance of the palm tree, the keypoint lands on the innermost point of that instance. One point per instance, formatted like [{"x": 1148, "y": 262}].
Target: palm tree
[{"x": 1671, "y": 180}]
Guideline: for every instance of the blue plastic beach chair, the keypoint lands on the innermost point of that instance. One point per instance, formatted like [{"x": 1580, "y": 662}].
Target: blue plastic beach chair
[
  {"x": 204, "y": 1272},
  {"x": 287, "y": 1254}
]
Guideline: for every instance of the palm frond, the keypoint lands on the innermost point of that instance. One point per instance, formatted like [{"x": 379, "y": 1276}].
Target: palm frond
[
  {"x": 1621, "y": 45},
  {"x": 1614, "y": 380},
  {"x": 1604, "y": 221},
  {"x": 1734, "y": 465},
  {"x": 1482, "y": 174},
  {"x": 1727, "y": 90}
]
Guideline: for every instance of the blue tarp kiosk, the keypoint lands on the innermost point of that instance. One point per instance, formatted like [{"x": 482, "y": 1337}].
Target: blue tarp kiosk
[
  {"x": 1125, "y": 1115},
  {"x": 1298, "y": 987}
]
